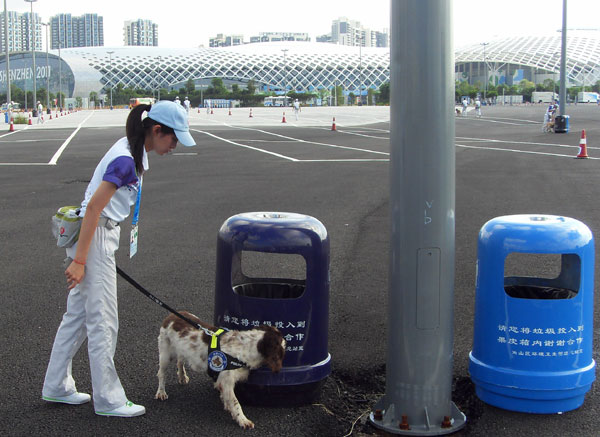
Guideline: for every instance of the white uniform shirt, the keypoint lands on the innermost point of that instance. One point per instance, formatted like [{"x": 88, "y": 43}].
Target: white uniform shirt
[{"x": 119, "y": 206}]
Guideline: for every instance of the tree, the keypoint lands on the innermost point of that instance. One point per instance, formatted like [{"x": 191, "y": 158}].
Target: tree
[
  {"x": 384, "y": 93},
  {"x": 190, "y": 86},
  {"x": 464, "y": 89},
  {"x": 370, "y": 94},
  {"x": 339, "y": 95},
  {"x": 526, "y": 89},
  {"x": 251, "y": 87},
  {"x": 216, "y": 88},
  {"x": 94, "y": 97}
]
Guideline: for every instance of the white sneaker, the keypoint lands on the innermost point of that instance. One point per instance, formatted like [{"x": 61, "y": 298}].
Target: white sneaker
[
  {"x": 73, "y": 399},
  {"x": 128, "y": 410}
]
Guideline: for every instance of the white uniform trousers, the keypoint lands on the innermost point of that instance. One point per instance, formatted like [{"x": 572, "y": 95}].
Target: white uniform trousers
[{"x": 92, "y": 312}]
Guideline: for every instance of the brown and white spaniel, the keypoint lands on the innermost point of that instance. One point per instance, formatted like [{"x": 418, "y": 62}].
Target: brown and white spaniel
[{"x": 257, "y": 347}]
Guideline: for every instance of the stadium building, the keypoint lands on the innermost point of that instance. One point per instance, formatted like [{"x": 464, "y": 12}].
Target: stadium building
[
  {"x": 293, "y": 66},
  {"x": 510, "y": 60},
  {"x": 275, "y": 66}
]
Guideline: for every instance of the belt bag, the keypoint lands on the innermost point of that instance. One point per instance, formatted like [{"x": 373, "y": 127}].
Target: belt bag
[{"x": 66, "y": 225}]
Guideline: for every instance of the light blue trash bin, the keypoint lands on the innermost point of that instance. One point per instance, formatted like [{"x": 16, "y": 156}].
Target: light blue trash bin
[{"x": 532, "y": 347}]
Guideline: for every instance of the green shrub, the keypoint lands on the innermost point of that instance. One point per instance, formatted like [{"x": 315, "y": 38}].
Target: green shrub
[{"x": 20, "y": 119}]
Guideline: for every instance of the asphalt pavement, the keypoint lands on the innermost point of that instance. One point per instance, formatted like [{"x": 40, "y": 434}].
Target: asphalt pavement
[{"x": 505, "y": 165}]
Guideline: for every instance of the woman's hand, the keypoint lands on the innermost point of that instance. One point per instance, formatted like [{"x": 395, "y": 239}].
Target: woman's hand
[{"x": 74, "y": 273}]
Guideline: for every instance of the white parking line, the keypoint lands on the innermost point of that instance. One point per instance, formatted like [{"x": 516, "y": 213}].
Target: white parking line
[
  {"x": 487, "y": 140},
  {"x": 32, "y": 141},
  {"x": 62, "y": 148},
  {"x": 335, "y": 146},
  {"x": 279, "y": 155},
  {"x": 530, "y": 152}
]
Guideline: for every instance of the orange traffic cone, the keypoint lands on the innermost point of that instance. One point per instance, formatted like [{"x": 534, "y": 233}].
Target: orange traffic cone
[
  {"x": 283, "y": 120},
  {"x": 198, "y": 109},
  {"x": 582, "y": 146},
  {"x": 211, "y": 111},
  {"x": 51, "y": 116},
  {"x": 229, "y": 111},
  {"x": 250, "y": 116},
  {"x": 333, "y": 125},
  {"x": 12, "y": 126},
  {"x": 29, "y": 122}
]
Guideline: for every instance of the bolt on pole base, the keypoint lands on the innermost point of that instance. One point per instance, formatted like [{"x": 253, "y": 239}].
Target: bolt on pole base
[{"x": 387, "y": 419}]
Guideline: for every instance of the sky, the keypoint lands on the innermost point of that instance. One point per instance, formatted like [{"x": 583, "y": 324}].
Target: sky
[{"x": 190, "y": 23}]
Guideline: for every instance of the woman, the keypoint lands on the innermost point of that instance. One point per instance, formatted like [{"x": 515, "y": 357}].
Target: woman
[{"x": 91, "y": 275}]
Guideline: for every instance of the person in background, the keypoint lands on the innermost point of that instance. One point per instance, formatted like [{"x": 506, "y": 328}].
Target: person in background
[
  {"x": 296, "y": 108},
  {"x": 478, "y": 107},
  {"x": 40, "y": 112}
]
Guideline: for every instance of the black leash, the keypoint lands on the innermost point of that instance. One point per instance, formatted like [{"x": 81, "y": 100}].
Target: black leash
[
  {"x": 217, "y": 359},
  {"x": 161, "y": 303}
]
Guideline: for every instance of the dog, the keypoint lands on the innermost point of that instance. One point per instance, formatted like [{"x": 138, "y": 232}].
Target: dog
[{"x": 264, "y": 345}]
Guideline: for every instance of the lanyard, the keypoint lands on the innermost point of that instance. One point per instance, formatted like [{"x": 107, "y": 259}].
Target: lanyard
[
  {"x": 136, "y": 211},
  {"x": 133, "y": 240}
]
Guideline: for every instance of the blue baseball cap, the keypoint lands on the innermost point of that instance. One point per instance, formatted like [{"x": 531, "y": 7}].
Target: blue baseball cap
[{"x": 174, "y": 116}]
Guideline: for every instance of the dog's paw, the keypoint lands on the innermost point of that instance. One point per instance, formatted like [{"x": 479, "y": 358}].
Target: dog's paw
[
  {"x": 246, "y": 424},
  {"x": 183, "y": 379},
  {"x": 161, "y": 394}
]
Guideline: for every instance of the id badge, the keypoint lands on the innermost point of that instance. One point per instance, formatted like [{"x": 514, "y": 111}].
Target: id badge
[{"x": 133, "y": 241}]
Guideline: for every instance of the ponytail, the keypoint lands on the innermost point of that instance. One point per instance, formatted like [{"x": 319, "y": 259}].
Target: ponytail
[
  {"x": 136, "y": 130},
  {"x": 136, "y": 134}
]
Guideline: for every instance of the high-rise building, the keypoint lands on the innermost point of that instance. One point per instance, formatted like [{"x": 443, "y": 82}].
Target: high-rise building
[
  {"x": 226, "y": 40},
  {"x": 351, "y": 33},
  {"x": 279, "y": 36},
  {"x": 140, "y": 33},
  {"x": 84, "y": 31},
  {"x": 19, "y": 31}
]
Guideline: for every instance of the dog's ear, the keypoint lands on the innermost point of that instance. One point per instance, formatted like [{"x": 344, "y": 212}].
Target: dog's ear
[{"x": 271, "y": 348}]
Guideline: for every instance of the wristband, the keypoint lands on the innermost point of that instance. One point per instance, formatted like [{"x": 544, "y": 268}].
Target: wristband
[{"x": 78, "y": 262}]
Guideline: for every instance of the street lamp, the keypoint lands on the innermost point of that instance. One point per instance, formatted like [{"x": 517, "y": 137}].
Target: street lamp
[
  {"x": 111, "y": 75},
  {"x": 486, "y": 71},
  {"x": 158, "y": 81},
  {"x": 59, "y": 70},
  {"x": 554, "y": 79},
  {"x": 7, "y": 53},
  {"x": 360, "y": 75},
  {"x": 32, "y": 21},
  {"x": 284, "y": 73},
  {"x": 46, "y": 25}
]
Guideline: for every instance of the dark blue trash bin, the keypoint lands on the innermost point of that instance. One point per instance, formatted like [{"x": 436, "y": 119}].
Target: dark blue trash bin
[
  {"x": 532, "y": 347},
  {"x": 561, "y": 124},
  {"x": 299, "y": 308}
]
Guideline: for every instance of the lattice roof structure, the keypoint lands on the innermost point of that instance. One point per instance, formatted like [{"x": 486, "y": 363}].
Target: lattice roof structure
[
  {"x": 542, "y": 52},
  {"x": 299, "y": 66}
]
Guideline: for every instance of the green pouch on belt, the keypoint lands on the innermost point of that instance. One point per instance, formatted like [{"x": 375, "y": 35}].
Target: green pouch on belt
[{"x": 66, "y": 225}]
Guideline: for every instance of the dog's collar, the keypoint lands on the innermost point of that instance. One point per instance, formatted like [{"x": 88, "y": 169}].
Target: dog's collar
[{"x": 219, "y": 360}]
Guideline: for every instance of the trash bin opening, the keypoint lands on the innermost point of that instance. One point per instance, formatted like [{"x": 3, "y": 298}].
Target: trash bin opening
[
  {"x": 538, "y": 292},
  {"x": 272, "y": 265},
  {"x": 542, "y": 276},
  {"x": 270, "y": 290}
]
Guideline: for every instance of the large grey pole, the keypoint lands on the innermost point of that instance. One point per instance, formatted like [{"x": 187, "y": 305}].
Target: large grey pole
[
  {"x": 563, "y": 64},
  {"x": 418, "y": 393}
]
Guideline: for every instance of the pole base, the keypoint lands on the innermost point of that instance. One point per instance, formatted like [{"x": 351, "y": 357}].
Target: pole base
[{"x": 389, "y": 421}]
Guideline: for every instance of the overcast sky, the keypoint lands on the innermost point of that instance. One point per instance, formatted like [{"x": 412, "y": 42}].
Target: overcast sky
[{"x": 190, "y": 23}]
